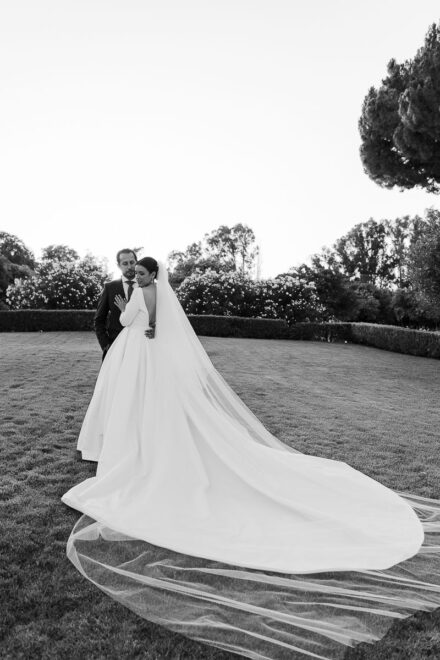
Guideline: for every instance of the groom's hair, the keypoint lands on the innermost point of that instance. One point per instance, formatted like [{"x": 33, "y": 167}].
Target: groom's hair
[{"x": 118, "y": 254}]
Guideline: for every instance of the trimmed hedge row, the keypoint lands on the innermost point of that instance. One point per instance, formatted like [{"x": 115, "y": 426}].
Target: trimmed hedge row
[
  {"x": 239, "y": 326},
  {"x": 34, "y": 320},
  {"x": 387, "y": 337},
  {"x": 401, "y": 340},
  {"x": 321, "y": 331},
  {"x": 47, "y": 320}
]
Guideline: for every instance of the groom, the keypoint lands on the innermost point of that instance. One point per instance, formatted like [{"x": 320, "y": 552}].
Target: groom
[{"x": 107, "y": 325}]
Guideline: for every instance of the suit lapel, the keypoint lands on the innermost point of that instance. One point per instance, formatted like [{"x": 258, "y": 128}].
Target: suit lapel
[
  {"x": 120, "y": 288},
  {"x": 116, "y": 289}
]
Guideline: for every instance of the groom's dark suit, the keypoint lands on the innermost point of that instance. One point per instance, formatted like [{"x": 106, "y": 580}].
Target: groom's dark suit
[{"x": 107, "y": 326}]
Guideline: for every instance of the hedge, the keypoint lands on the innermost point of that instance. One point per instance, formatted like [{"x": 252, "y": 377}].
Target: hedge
[
  {"x": 321, "y": 331},
  {"x": 239, "y": 326},
  {"x": 423, "y": 343},
  {"x": 34, "y": 320},
  {"x": 388, "y": 337}
]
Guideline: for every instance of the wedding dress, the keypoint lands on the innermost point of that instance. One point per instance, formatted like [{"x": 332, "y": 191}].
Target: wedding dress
[{"x": 201, "y": 520}]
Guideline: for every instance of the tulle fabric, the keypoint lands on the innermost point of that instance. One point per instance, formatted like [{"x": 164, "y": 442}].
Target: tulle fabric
[
  {"x": 202, "y": 521},
  {"x": 260, "y": 614}
]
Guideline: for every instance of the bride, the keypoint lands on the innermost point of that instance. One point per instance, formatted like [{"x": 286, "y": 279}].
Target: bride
[{"x": 187, "y": 477}]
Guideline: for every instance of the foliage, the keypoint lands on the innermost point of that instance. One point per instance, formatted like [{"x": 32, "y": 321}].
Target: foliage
[
  {"x": 424, "y": 262},
  {"x": 59, "y": 253},
  {"x": 412, "y": 309},
  {"x": 183, "y": 264},
  {"x": 233, "y": 294},
  {"x": 16, "y": 261},
  {"x": 15, "y": 250},
  {"x": 226, "y": 294},
  {"x": 401, "y": 234},
  {"x": 334, "y": 289},
  {"x": 46, "y": 320},
  {"x": 226, "y": 249},
  {"x": 387, "y": 337},
  {"x": 238, "y": 326},
  {"x": 357, "y": 278},
  {"x": 363, "y": 253},
  {"x": 60, "y": 285},
  {"x": 233, "y": 246},
  {"x": 400, "y": 122},
  {"x": 399, "y": 340},
  {"x": 374, "y": 304}
]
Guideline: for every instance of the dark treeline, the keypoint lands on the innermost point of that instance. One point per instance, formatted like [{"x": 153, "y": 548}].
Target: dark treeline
[{"x": 384, "y": 271}]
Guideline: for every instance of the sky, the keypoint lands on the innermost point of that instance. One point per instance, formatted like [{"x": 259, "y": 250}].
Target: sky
[{"x": 152, "y": 122}]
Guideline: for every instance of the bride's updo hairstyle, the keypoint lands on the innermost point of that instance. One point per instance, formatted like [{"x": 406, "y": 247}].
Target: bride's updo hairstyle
[{"x": 149, "y": 264}]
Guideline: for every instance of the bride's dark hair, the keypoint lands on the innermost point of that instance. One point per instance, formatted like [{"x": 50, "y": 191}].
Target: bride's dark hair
[{"x": 149, "y": 264}]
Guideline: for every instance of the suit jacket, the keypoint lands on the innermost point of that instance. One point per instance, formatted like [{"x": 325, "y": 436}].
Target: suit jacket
[{"x": 107, "y": 326}]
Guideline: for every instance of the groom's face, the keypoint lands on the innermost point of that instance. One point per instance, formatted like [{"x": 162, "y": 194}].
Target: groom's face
[{"x": 127, "y": 262}]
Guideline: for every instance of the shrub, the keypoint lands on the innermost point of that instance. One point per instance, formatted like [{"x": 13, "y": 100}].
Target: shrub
[
  {"x": 387, "y": 337},
  {"x": 321, "y": 331},
  {"x": 34, "y": 320},
  {"x": 226, "y": 294},
  {"x": 413, "y": 309},
  {"x": 59, "y": 285},
  {"x": 81, "y": 319},
  {"x": 286, "y": 297},
  {"x": 401, "y": 340},
  {"x": 236, "y": 326}
]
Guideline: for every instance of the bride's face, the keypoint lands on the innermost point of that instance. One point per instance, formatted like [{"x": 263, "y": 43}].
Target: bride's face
[{"x": 143, "y": 276}]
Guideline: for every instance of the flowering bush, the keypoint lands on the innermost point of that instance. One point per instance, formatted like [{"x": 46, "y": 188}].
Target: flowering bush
[
  {"x": 291, "y": 298},
  {"x": 227, "y": 294},
  {"x": 232, "y": 294},
  {"x": 59, "y": 285}
]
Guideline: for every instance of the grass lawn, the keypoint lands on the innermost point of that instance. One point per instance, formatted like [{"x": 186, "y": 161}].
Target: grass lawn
[{"x": 376, "y": 410}]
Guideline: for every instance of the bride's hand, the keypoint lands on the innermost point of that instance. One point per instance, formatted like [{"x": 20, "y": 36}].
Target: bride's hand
[{"x": 120, "y": 302}]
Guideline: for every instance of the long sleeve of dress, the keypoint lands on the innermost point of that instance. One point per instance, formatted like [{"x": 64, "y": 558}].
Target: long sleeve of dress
[{"x": 127, "y": 317}]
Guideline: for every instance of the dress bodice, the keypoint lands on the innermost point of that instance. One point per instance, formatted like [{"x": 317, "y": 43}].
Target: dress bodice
[{"x": 136, "y": 312}]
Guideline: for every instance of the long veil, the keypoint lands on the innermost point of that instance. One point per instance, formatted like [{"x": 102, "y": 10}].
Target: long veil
[{"x": 253, "y": 613}]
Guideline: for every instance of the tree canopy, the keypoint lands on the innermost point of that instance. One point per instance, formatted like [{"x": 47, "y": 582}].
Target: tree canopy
[
  {"x": 59, "y": 253},
  {"x": 424, "y": 258},
  {"x": 400, "y": 122},
  {"x": 16, "y": 261},
  {"x": 225, "y": 249}
]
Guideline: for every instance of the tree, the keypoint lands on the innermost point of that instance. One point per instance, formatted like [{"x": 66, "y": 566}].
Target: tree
[
  {"x": 402, "y": 232},
  {"x": 363, "y": 253},
  {"x": 412, "y": 308},
  {"x": 191, "y": 261},
  {"x": 400, "y": 122},
  {"x": 15, "y": 250},
  {"x": 59, "y": 253},
  {"x": 233, "y": 246},
  {"x": 336, "y": 293},
  {"x": 424, "y": 258},
  {"x": 16, "y": 261},
  {"x": 226, "y": 249}
]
